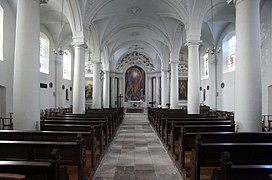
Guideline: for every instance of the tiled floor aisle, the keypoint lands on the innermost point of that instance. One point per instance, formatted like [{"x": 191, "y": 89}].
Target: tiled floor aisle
[{"x": 136, "y": 153}]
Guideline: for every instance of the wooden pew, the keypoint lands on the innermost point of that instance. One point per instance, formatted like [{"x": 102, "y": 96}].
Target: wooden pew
[
  {"x": 79, "y": 128},
  {"x": 110, "y": 122},
  {"x": 187, "y": 139},
  {"x": 89, "y": 139},
  {"x": 32, "y": 170},
  {"x": 230, "y": 170},
  {"x": 160, "y": 113},
  {"x": 207, "y": 154},
  {"x": 10, "y": 176},
  {"x": 72, "y": 153},
  {"x": 107, "y": 128},
  {"x": 173, "y": 127},
  {"x": 165, "y": 119}
]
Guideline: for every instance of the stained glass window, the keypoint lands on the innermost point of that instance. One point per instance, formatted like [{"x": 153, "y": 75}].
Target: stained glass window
[
  {"x": 205, "y": 66},
  {"x": 67, "y": 58},
  {"x": 229, "y": 53},
  {"x": 44, "y": 53}
]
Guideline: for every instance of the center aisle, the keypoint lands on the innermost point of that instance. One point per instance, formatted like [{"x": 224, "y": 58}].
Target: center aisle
[{"x": 136, "y": 153}]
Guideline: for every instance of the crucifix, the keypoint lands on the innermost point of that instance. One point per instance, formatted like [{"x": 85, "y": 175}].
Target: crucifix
[{"x": 119, "y": 100}]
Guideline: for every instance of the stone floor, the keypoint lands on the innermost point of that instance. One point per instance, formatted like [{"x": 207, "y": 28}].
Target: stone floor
[{"x": 136, "y": 153}]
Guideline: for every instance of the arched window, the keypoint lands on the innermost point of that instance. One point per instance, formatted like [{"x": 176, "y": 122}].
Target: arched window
[
  {"x": 205, "y": 66},
  {"x": 1, "y": 32},
  {"x": 67, "y": 59},
  {"x": 229, "y": 53},
  {"x": 44, "y": 53}
]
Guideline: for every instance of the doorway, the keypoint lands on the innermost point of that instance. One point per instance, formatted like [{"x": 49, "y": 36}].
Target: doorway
[
  {"x": 269, "y": 99},
  {"x": 2, "y": 101}
]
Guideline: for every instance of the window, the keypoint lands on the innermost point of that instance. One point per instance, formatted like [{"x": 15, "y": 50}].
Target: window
[
  {"x": 44, "y": 53},
  {"x": 205, "y": 67},
  {"x": 229, "y": 53},
  {"x": 1, "y": 32},
  {"x": 67, "y": 58}
]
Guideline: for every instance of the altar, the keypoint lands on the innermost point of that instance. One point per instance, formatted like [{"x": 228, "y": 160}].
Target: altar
[{"x": 135, "y": 104}]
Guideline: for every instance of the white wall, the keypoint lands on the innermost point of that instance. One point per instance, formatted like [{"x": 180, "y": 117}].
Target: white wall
[
  {"x": 6, "y": 66},
  {"x": 47, "y": 98},
  {"x": 266, "y": 53},
  {"x": 226, "y": 95},
  {"x": 47, "y": 95},
  {"x": 208, "y": 84}
]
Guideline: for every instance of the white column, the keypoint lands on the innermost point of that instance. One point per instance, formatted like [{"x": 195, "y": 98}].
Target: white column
[
  {"x": 106, "y": 90},
  {"x": 58, "y": 77},
  {"x": 96, "y": 85},
  {"x": 149, "y": 91},
  {"x": 121, "y": 90},
  {"x": 164, "y": 88},
  {"x": 193, "y": 78},
  {"x": 26, "y": 88},
  {"x": 116, "y": 91},
  {"x": 154, "y": 91},
  {"x": 79, "y": 80},
  {"x": 168, "y": 87},
  {"x": 248, "y": 88},
  {"x": 158, "y": 89},
  {"x": 174, "y": 83},
  {"x": 113, "y": 91}
]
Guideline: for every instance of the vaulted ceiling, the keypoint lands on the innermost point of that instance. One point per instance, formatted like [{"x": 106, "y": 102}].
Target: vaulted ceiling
[{"x": 114, "y": 28}]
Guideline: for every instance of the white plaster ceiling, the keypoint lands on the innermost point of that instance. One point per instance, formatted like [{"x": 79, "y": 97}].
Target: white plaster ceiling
[{"x": 124, "y": 25}]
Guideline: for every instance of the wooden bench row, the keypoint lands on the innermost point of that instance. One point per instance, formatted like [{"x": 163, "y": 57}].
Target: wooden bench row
[
  {"x": 32, "y": 170},
  {"x": 230, "y": 170},
  {"x": 198, "y": 144},
  {"x": 245, "y": 148},
  {"x": 81, "y": 141},
  {"x": 72, "y": 153}
]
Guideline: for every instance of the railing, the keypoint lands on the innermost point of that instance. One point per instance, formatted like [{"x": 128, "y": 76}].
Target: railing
[
  {"x": 6, "y": 122},
  {"x": 267, "y": 120}
]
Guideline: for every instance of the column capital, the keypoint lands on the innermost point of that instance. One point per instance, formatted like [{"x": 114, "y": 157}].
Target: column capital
[
  {"x": 237, "y": 2},
  {"x": 42, "y": 1},
  {"x": 164, "y": 69},
  {"x": 79, "y": 45},
  {"x": 59, "y": 59},
  {"x": 95, "y": 58},
  {"x": 106, "y": 71},
  {"x": 174, "y": 61},
  {"x": 96, "y": 63},
  {"x": 192, "y": 42}
]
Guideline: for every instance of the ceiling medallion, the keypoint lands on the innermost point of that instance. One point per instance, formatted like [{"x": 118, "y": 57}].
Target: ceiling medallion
[
  {"x": 134, "y": 33},
  {"x": 135, "y": 47},
  {"x": 134, "y": 10}
]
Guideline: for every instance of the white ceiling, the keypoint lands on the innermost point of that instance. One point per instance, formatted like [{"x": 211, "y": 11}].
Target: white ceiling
[{"x": 150, "y": 26}]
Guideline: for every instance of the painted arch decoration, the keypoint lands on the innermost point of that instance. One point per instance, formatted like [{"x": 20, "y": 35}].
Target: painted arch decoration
[
  {"x": 135, "y": 84},
  {"x": 135, "y": 58}
]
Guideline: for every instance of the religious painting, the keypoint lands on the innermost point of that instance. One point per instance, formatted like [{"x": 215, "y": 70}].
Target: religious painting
[
  {"x": 183, "y": 89},
  {"x": 88, "y": 89},
  {"x": 135, "y": 84}
]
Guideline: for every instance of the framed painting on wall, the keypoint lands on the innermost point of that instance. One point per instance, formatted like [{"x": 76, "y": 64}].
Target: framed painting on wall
[
  {"x": 88, "y": 89},
  {"x": 183, "y": 83}
]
